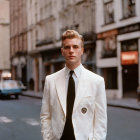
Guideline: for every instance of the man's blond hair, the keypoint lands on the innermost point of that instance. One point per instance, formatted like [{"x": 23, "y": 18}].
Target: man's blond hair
[{"x": 70, "y": 34}]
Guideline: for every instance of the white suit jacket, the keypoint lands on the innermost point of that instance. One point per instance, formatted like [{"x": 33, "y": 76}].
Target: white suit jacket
[{"x": 89, "y": 116}]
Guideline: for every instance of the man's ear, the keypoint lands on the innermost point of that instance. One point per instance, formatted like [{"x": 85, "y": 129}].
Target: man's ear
[
  {"x": 82, "y": 50},
  {"x": 62, "y": 51}
]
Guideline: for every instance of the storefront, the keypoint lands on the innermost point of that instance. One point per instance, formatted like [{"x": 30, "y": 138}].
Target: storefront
[
  {"x": 128, "y": 41},
  {"x": 129, "y": 62},
  {"x": 19, "y": 68},
  {"x": 89, "y": 56},
  {"x": 52, "y": 60},
  {"x": 118, "y": 60},
  {"x": 106, "y": 56}
]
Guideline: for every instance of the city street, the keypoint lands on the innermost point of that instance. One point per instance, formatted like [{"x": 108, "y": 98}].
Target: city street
[
  {"x": 19, "y": 120},
  {"x": 88, "y": 49},
  {"x": 123, "y": 124}
]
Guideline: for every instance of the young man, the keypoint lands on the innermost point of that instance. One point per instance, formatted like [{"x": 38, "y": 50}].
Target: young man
[{"x": 74, "y": 100}]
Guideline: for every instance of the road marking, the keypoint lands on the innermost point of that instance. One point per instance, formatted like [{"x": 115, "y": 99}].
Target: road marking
[
  {"x": 31, "y": 121},
  {"x": 4, "y": 119}
]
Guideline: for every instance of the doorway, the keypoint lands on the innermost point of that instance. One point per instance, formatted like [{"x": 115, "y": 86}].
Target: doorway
[
  {"x": 24, "y": 75},
  {"x": 130, "y": 80}
]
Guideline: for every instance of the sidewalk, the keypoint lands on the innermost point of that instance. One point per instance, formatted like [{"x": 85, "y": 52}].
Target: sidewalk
[
  {"x": 129, "y": 103},
  {"x": 32, "y": 94}
]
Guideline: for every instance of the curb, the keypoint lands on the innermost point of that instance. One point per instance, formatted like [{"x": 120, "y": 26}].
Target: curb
[
  {"x": 125, "y": 107},
  {"x": 108, "y": 104},
  {"x": 32, "y": 96}
]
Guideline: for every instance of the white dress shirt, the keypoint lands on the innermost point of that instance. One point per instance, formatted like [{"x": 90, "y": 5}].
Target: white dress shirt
[{"x": 76, "y": 75}]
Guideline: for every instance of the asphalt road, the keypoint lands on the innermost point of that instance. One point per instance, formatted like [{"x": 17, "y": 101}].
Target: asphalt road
[
  {"x": 123, "y": 124},
  {"x": 19, "y": 120}
]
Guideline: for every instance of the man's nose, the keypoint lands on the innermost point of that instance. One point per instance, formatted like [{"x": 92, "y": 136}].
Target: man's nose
[{"x": 71, "y": 49}]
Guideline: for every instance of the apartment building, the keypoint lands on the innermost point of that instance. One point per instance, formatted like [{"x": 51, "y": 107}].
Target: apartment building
[
  {"x": 47, "y": 19},
  {"x": 18, "y": 39},
  {"x": 4, "y": 36},
  {"x": 118, "y": 46}
]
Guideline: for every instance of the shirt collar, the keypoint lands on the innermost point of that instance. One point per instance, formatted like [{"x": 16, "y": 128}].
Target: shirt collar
[{"x": 77, "y": 71}]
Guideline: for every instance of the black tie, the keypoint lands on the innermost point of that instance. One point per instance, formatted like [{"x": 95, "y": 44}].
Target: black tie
[{"x": 68, "y": 133}]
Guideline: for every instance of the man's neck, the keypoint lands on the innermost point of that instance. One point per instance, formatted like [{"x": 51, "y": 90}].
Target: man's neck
[{"x": 72, "y": 67}]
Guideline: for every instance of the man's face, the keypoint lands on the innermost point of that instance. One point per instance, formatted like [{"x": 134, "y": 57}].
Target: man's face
[{"x": 72, "y": 51}]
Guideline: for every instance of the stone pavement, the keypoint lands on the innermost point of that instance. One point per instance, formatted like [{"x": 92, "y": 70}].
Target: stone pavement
[{"x": 129, "y": 103}]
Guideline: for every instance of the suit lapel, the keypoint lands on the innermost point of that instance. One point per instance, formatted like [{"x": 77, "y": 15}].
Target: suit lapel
[
  {"x": 81, "y": 89},
  {"x": 61, "y": 91},
  {"x": 80, "y": 93}
]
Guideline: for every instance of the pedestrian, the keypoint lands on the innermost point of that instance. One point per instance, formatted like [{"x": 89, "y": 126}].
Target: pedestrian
[{"x": 74, "y": 100}]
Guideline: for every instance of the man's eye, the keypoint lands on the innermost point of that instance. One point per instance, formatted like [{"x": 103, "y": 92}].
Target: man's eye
[
  {"x": 66, "y": 47},
  {"x": 75, "y": 46}
]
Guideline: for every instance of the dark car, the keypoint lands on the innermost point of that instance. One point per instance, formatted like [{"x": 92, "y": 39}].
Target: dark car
[{"x": 9, "y": 88}]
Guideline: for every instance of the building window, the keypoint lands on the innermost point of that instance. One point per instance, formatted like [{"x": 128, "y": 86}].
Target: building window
[
  {"x": 41, "y": 13},
  {"x": 110, "y": 76},
  {"x": 36, "y": 34},
  {"x": 129, "y": 45},
  {"x": 108, "y": 11},
  {"x": 109, "y": 47},
  {"x": 128, "y": 8},
  {"x": 88, "y": 58}
]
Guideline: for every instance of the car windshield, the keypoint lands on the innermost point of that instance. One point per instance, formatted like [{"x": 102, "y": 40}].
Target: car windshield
[
  {"x": 8, "y": 84},
  {"x": 20, "y": 83}
]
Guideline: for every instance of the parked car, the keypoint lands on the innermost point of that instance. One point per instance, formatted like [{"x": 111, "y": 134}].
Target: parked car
[
  {"x": 22, "y": 86},
  {"x": 9, "y": 88}
]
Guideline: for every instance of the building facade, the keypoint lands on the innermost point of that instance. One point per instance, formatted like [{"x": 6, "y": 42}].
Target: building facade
[
  {"x": 4, "y": 36},
  {"x": 111, "y": 29},
  {"x": 47, "y": 20},
  {"x": 18, "y": 39},
  {"x": 118, "y": 45}
]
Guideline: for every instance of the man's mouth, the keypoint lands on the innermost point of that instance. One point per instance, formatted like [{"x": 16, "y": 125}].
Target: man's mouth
[{"x": 71, "y": 56}]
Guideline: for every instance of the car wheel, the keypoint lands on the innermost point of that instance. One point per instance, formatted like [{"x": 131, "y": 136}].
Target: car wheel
[{"x": 16, "y": 96}]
